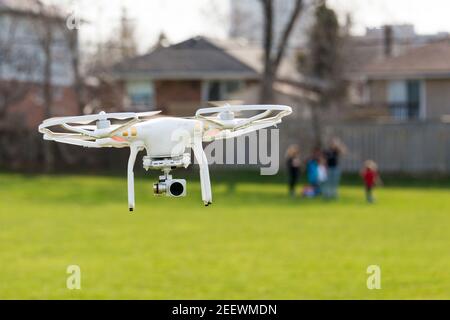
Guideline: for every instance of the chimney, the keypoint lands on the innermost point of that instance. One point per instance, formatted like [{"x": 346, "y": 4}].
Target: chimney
[{"x": 388, "y": 40}]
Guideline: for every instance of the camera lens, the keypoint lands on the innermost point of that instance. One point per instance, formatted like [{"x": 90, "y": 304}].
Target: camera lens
[
  {"x": 176, "y": 189},
  {"x": 159, "y": 188}
]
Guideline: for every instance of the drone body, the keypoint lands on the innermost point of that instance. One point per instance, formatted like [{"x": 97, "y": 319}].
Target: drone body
[{"x": 166, "y": 140}]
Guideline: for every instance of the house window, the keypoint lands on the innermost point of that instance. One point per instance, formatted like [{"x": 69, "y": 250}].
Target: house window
[
  {"x": 220, "y": 90},
  {"x": 404, "y": 98},
  {"x": 214, "y": 91},
  {"x": 140, "y": 94},
  {"x": 232, "y": 86}
]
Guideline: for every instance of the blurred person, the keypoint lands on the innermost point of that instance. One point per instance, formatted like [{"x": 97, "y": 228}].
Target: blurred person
[
  {"x": 312, "y": 171},
  {"x": 332, "y": 155},
  {"x": 371, "y": 178},
  {"x": 293, "y": 165},
  {"x": 322, "y": 173}
]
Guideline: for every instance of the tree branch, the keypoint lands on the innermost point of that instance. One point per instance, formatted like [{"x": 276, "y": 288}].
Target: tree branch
[
  {"x": 287, "y": 32},
  {"x": 268, "y": 33}
]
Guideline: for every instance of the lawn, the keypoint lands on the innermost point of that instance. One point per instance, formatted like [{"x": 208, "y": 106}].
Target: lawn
[{"x": 253, "y": 243}]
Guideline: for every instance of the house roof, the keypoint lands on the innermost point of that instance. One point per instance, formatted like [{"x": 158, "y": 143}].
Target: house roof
[
  {"x": 253, "y": 56},
  {"x": 250, "y": 54},
  {"x": 429, "y": 61},
  {"x": 195, "y": 58}
]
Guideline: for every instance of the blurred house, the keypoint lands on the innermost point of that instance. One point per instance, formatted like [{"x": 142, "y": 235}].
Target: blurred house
[
  {"x": 412, "y": 86},
  {"x": 34, "y": 36},
  {"x": 375, "y": 46},
  {"x": 385, "y": 41},
  {"x": 179, "y": 78}
]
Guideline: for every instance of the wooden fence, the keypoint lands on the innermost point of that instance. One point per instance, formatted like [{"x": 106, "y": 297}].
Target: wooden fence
[
  {"x": 411, "y": 148},
  {"x": 419, "y": 147}
]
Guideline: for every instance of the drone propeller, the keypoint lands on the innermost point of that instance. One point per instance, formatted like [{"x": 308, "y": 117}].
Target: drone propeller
[
  {"x": 102, "y": 116},
  {"x": 102, "y": 128},
  {"x": 226, "y": 115},
  {"x": 223, "y": 123}
]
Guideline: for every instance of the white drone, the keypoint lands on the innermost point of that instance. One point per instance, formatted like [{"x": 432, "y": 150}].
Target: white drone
[{"x": 167, "y": 140}]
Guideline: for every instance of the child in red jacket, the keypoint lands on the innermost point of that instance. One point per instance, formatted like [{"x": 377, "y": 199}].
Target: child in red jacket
[{"x": 371, "y": 178}]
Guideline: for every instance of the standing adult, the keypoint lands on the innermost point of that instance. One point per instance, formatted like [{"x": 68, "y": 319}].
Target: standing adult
[
  {"x": 332, "y": 155},
  {"x": 293, "y": 166}
]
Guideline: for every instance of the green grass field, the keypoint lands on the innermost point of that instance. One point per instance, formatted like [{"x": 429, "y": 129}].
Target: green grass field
[{"x": 253, "y": 243}]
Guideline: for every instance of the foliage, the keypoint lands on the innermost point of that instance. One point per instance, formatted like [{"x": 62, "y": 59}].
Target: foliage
[
  {"x": 324, "y": 45},
  {"x": 322, "y": 64}
]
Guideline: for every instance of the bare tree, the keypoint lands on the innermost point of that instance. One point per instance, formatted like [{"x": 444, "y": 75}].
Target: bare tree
[
  {"x": 127, "y": 39},
  {"x": 71, "y": 37},
  {"x": 107, "y": 93},
  {"x": 273, "y": 55},
  {"x": 161, "y": 42},
  {"x": 119, "y": 46},
  {"x": 44, "y": 25}
]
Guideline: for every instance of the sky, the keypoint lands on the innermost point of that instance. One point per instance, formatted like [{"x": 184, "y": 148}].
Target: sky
[{"x": 181, "y": 19}]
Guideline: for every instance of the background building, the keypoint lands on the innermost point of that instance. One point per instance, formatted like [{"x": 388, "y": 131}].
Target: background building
[
  {"x": 36, "y": 49},
  {"x": 178, "y": 78},
  {"x": 412, "y": 86}
]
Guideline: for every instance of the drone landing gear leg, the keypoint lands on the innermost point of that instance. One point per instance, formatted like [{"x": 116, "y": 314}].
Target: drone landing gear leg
[
  {"x": 204, "y": 173},
  {"x": 130, "y": 177}
]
